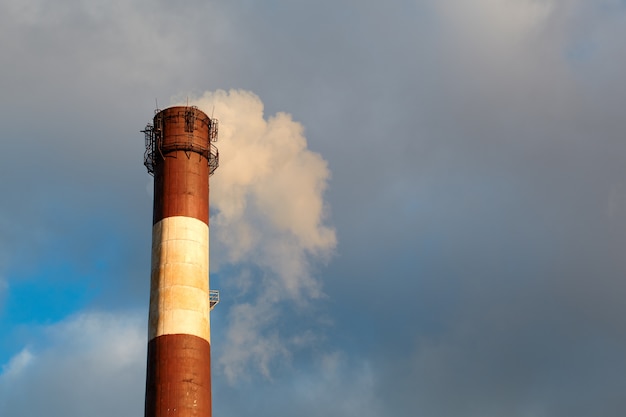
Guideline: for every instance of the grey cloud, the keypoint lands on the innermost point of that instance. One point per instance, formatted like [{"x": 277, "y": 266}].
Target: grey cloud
[{"x": 477, "y": 190}]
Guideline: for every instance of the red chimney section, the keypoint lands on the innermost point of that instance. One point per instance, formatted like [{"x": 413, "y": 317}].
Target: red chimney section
[{"x": 181, "y": 156}]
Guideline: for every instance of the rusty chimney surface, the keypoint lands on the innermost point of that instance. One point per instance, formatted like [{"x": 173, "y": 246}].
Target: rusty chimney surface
[{"x": 181, "y": 156}]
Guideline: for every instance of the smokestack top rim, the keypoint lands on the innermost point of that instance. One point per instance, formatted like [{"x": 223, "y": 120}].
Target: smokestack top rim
[{"x": 181, "y": 108}]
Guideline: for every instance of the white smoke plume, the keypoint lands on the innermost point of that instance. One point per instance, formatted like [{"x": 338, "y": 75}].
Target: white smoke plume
[{"x": 267, "y": 224}]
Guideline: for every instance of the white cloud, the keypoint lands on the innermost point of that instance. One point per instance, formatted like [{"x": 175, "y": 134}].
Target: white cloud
[
  {"x": 90, "y": 364},
  {"x": 17, "y": 364}
]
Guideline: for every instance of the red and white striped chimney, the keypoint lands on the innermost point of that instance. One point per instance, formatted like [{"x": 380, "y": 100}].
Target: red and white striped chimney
[{"x": 181, "y": 156}]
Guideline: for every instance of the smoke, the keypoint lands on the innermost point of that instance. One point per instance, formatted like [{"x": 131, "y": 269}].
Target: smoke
[{"x": 267, "y": 225}]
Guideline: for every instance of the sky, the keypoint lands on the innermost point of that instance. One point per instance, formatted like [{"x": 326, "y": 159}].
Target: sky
[{"x": 420, "y": 208}]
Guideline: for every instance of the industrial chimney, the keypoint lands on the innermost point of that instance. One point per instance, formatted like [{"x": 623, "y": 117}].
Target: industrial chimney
[{"x": 181, "y": 156}]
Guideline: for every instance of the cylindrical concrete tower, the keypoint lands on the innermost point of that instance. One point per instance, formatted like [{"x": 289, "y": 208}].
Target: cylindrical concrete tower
[{"x": 181, "y": 156}]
